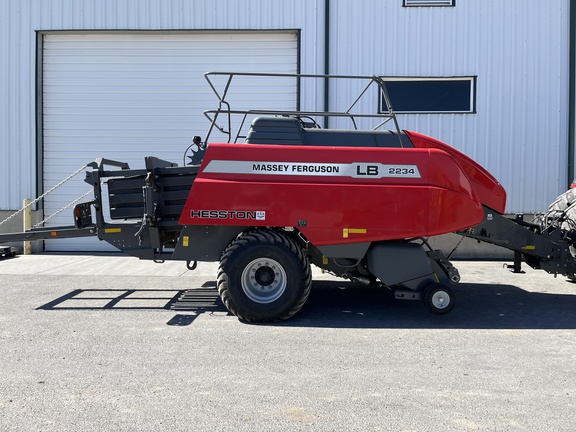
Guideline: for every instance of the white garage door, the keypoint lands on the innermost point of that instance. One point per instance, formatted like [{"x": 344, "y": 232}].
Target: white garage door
[{"x": 125, "y": 96}]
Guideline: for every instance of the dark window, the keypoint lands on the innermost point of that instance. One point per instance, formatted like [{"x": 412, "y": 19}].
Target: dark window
[
  {"x": 431, "y": 95},
  {"x": 417, "y": 3}
]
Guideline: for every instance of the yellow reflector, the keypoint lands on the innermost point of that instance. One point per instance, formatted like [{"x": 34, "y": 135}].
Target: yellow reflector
[
  {"x": 529, "y": 247},
  {"x": 112, "y": 230},
  {"x": 185, "y": 240},
  {"x": 347, "y": 231},
  {"x": 357, "y": 230}
]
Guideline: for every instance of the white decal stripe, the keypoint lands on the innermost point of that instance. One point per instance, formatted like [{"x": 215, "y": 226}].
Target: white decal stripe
[{"x": 354, "y": 170}]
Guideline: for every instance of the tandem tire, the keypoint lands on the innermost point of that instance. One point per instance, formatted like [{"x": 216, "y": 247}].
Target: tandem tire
[
  {"x": 264, "y": 276},
  {"x": 439, "y": 299}
]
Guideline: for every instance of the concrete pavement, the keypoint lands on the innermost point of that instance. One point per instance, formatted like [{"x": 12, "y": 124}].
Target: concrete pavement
[{"x": 111, "y": 342}]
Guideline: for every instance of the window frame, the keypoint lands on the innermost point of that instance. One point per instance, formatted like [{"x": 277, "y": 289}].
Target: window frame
[
  {"x": 428, "y": 3},
  {"x": 472, "y": 79}
]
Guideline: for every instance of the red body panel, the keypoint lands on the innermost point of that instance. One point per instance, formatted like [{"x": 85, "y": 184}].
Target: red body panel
[
  {"x": 334, "y": 195},
  {"x": 489, "y": 190}
]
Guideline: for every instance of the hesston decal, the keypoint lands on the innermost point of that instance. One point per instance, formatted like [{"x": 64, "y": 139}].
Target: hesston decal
[{"x": 228, "y": 214}]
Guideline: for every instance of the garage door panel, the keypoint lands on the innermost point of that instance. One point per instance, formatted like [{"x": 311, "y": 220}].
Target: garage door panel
[{"x": 127, "y": 96}]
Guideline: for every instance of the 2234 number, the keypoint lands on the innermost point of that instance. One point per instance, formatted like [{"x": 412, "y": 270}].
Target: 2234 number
[{"x": 401, "y": 171}]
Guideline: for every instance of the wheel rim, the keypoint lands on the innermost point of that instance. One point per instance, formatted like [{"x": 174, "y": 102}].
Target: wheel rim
[
  {"x": 440, "y": 299},
  {"x": 264, "y": 280}
]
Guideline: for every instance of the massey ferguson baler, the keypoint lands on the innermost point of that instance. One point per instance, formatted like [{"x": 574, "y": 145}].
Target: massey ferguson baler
[{"x": 359, "y": 204}]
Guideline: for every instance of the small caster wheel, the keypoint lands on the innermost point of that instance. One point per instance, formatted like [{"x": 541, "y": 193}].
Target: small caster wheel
[{"x": 439, "y": 299}]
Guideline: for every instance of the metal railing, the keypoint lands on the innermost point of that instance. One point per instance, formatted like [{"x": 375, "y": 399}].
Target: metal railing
[{"x": 225, "y": 109}]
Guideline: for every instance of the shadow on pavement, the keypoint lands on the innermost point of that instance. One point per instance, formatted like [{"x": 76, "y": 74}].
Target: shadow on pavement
[
  {"x": 197, "y": 300},
  {"x": 478, "y": 306},
  {"x": 335, "y": 304}
]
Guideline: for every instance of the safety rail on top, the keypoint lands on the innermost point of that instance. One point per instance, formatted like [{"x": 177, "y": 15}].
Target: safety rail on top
[{"x": 224, "y": 107}]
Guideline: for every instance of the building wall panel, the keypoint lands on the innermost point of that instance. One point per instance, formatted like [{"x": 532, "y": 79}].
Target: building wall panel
[
  {"x": 518, "y": 49},
  {"x": 21, "y": 19}
]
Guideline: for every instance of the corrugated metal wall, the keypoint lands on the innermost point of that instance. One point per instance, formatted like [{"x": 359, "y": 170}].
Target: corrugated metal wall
[
  {"x": 519, "y": 51},
  {"x": 20, "y": 19},
  {"x": 17, "y": 111},
  {"x": 517, "y": 48}
]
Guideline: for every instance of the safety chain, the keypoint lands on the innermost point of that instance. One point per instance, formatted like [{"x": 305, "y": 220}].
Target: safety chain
[
  {"x": 62, "y": 209},
  {"x": 46, "y": 193}
]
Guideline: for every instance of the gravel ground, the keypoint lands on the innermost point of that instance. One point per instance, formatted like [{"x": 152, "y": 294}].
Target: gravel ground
[{"x": 113, "y": 343}]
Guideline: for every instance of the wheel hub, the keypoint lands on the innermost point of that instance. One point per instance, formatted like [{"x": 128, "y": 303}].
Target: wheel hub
[
  {"x": 264, "y": 276},
  {"x": 440, "y": 300},
  {"x": 264, "y": 280}
]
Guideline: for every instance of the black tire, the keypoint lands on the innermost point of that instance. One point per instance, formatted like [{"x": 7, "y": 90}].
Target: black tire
[
  {"x": 439, "y": 299},
  {"x": 264, "y": 276}
]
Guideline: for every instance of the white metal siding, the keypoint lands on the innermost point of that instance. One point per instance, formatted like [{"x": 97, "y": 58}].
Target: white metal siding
[
  {"x": 519, "y": 51},
  {"x": 17, "y": 94},
  {"x": 125, "y": 96},
  {"x": 517, "y": 48},
  {"x": 20, "y": 19}
]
